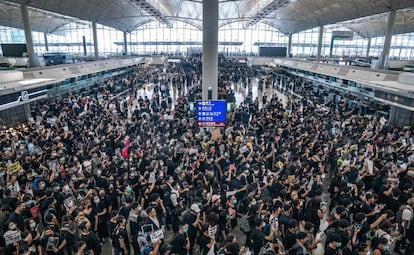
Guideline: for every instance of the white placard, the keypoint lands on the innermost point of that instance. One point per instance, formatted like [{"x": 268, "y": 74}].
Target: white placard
[
  {"x": 156, "y": 235},
  {"x": 212, "y": 230},
  {"x": 12, "y": 236}
]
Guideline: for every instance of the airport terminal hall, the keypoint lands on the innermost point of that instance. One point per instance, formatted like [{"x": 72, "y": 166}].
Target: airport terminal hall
[{"x": 206, "y": 127}]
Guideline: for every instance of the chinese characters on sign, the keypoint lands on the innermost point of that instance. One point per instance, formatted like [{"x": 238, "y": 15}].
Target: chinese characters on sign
[{"x": 211, "y": 113}]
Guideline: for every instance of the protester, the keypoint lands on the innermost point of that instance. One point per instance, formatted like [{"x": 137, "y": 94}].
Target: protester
[{"x": 134, "y": 165}]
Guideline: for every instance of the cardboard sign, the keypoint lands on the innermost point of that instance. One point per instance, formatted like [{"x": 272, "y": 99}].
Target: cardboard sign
[
  {"x": 156, "y": 235},
  {"x": 212, "y": 230},
  {"x": 12, "y": 236},
  {"x": 13, "y": 167},
  {"x": 215, "y": 134}
]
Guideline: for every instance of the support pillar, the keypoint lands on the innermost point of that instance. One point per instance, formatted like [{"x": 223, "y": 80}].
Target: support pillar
[
  {"x": 46, "y": 42},
  {"x": 387, "y": 42},
  {"x": 289, "y": 49},
  {"x": 320, "y": 41},
  {"x": 210, "y": 49},
  {"x": 368, "y": 47},
  {"x": 125, "y": 44},
  {"x": 28, "y": 35},
  {"x": 95, "y": 40}
]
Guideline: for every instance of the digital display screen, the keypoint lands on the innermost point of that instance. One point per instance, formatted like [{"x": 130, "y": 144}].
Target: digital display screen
[{"x": 211, "y": 113}]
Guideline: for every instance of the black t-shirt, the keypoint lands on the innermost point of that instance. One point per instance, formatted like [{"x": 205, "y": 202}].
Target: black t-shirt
[
  {"x": 91, "y": 243},
  {"x": 257, "y": 240},
  {"x": 178, "y": 243},
  {"x": 330, "y": 251},
  {"x": 289, "y": 240},
  {"x": 203, "y": 241},
  {"x": 190, "y": 219}
]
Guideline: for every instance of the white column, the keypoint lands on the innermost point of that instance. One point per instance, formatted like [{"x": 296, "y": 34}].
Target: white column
[
  {"x": 320, "y": 41},
  {"x": 210, "y": 48},
  {"x": 387, "y": 42},
  {"x": 28, "y": 35},
  {"x": 95, "y": 39},
  {"x": 368, "y": 47},
  {"x": 289, "y": 49},
  {"x": 125, "y": 43}
]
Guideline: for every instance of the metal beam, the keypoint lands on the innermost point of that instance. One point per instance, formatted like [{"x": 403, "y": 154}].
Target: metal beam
[
  {"x": 156, "y": 13},
  {"x": 266, "y": 11}
]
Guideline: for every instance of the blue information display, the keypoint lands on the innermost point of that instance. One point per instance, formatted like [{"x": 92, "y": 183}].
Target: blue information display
[{"x": 211, "y": 113}]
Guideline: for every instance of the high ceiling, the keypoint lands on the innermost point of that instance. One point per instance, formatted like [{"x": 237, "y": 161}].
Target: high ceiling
[{"x": 365, "y": 17}]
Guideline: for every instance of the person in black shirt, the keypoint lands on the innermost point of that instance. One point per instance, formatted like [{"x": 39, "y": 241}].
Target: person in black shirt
[
  {"x": 17, "y": 216},
  {"x": 53, "y": 242},
  {"x": 120, "y": 240},
  {"x": 89, "y": 238},
  {"x": 290, "y": 238},
  {"x": 333, "y": 247},
  {"x": 192, "y": 219},
  {"x": 180, "y": 242},
  {"x": 204, "y": 241},
  {"x": 258, "y": 238}
]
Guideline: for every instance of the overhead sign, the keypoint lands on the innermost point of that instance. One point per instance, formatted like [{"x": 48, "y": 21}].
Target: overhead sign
[{"x": 211, "y": 113}]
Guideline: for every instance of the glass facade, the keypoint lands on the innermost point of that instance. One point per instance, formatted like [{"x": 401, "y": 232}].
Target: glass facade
[{"x": 155, "y": 38}]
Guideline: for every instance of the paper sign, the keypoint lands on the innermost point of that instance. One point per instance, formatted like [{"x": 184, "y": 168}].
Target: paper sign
[
  {"x": 12, "y": 236},
  {"x": 156, "y": 235},
  {"x": 14, "y": 167},
  {"x": 212, "y": 230},
  {"x": 52, "y": 243},
  {"x": 353, "y": 147},
  {"x": 70, "y": 203},
  {"x": 50, "y": 121}
]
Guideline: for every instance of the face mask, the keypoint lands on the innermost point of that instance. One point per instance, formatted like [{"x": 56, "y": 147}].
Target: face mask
[
  {"x": 200, "y": 204},
  {"x": 97, "y": 201},
  {"x": 42, "y": 185},
  {"x": 338, "y": 245},
  {"x": 161, "y": 163},
  {"x": 99, "y": 172},
  {"x": 256, "y": 172},
  {"x": 186, "y": 230},
  {"x": 67, "y": 188},
  {"x": 235, "y": 201},
  {"x": 32, "y": 225},
  {"x": 368, "y": 253},
  {"x": 10, "y": 187},
  {"x": 129, "y": 189},
  {"x": 12, "y": 227},
  {"x": 386, "y": 248},
  {"x": 57, "y": 174}
]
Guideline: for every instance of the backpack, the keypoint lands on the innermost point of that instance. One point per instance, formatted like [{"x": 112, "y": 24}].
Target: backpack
[
  {"x": 147, "y": 249},
  {"x": 400, "y": 212},
  {"x": 375, "y": 242},
  {"x": 167, "y": 199},
  {"x": 245, "y": 224}
]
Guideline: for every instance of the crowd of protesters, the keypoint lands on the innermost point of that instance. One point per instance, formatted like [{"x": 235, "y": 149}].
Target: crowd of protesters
[{"x": 96, "y": 169}]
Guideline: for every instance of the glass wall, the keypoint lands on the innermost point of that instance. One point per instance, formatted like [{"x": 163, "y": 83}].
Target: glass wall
[{"x": 154, "y": 37}]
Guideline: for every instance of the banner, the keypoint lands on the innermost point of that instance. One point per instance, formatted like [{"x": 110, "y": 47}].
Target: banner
[{"x": 13, "y": 167}]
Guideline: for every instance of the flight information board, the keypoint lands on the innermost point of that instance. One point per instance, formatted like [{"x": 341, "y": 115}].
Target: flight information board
[{"x": 211, "y": 113}]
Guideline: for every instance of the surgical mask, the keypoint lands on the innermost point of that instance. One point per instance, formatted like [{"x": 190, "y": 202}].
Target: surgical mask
[
  {"x": 200, "y": 204},
  {"x": 67, "y": 188},
  {"x": 186, "y": 230},
  {"x": 161, "y": 163},
  {"x": 42, "y": 185},
  {"x": 12, "y": 227},
  {"x": 235, "y": 201},
  {"x": 129, "y": 189},
  {"x": 368, "y": 253},
  {"x": 57, "y": 174},
  {"x": 97, "y": 201},
  {"x": 338, "y": 245},
  {"x": 386, "y": 248},
  {"x": 99, "y": 172},
  {"x": 10, "y": 187},
  {"x": 32, "y": 225}
]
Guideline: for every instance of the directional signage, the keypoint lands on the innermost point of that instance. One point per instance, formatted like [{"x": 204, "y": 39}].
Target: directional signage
[{"x": 211, "y": 113}]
